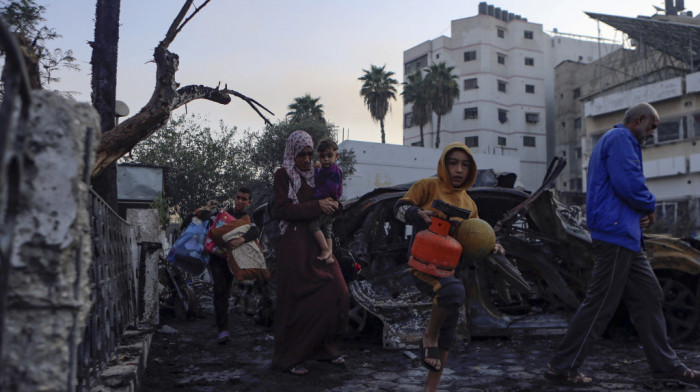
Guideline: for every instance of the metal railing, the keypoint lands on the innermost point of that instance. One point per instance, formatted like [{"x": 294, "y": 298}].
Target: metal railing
[{"x": 112, "y": 291}]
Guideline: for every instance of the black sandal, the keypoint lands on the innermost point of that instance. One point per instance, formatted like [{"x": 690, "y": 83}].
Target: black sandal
[
  {"x": 579, "y": 380},
  {"x": 298, "y": 370},
  {"x": 430, "y": 353}
]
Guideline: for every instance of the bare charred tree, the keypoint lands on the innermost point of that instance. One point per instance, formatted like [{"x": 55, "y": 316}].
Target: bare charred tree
[
  {"x": 104, "y": 86},
  {"x": 167, "y": 96}
]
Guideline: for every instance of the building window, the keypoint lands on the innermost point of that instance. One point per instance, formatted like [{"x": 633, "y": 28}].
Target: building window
[
  {"x": 501, "y": 33},
  {"x": 670, "y": 130},
  {"x": 563, "y": 124},
  {"x": 563, "y": 153},
  {"x": 532, "y": 118},
  {"x": 471, "y": 141},
  {"x": 501, "y": 86},
  {"x": 577, "y": 123},
  {"x": 437, "y": 56},
  {"x": 415, "y": 65},
  {"x": 501, "y": 58},
  {"x": 530, "y": 88},
  {"x": 578, "y": 152},
  {"x": 470, "y": 84},
  {"x": 408, "y": 120},
  {"x": 529, "y": 141},
  {"x": 529, "y": 61},
  {"x": 528, "y": 34},
  {"x": 501, "y": 141},
  {"x": 577, "y": 92},
  {"x": 695, "y": 124},
  {"x": 502, "y": 115},
  {"x": 470, "y": 56},
  {"x": 576, "y": 184},
  {"x": 471, "y": 113}
]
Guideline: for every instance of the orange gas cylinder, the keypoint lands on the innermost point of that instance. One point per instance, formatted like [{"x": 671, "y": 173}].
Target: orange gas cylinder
[{"x": 434, "y": 251}]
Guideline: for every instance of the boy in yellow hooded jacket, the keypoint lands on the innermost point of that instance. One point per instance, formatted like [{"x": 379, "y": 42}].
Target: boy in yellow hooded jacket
[{"x": 456, "y": 173}]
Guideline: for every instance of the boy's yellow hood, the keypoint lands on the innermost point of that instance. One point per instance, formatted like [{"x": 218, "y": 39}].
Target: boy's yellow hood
[{"x": 442, "y": 167}]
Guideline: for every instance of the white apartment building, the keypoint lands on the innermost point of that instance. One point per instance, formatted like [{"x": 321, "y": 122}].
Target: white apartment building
[
  {"x": 659, "y": 66},
  {"x": 505, "y": 66}
]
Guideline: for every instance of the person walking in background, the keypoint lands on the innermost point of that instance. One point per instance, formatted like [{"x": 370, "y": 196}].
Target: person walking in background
[
  {"x": 329, "y": 183},
  {"x": 311, "y": 312},
  {"x": 619, "y": 205},
  {"x": 221, "y": 275}
]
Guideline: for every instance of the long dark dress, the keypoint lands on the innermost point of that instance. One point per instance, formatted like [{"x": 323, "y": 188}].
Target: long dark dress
[{"x": 312, "y": 298}]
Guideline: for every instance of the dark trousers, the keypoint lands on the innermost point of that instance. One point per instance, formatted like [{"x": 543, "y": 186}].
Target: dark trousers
[
  {"x": 618, "y": 273},
  {"x": 447, "y": 293},
  {"x": 221, "y": 278}
]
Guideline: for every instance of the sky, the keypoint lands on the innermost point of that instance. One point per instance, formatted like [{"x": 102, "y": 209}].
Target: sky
[{"x": 275, "y": 50}]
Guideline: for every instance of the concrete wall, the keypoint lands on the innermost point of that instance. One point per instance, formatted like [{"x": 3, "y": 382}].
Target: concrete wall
[
  {"x": 48, "y": 294},
  {"x": 381, "y": 165},
  {"x": 151, "y": 242}
]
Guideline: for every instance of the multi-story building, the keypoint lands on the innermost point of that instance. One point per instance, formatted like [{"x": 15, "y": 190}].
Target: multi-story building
[
  {"x": 505, "y": 68},
  {"x": 661, "y": 67}
]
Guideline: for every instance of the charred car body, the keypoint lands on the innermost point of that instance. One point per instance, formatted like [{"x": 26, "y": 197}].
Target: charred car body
[{"x": 532, "y": 290}]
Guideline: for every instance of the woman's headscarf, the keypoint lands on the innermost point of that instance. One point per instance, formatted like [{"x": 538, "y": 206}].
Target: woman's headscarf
[{"x": 296, "y": 142}]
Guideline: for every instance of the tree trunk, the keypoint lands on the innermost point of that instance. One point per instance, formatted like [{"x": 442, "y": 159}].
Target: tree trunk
[
  {"x": 381, "y": 124},
  {"x": 104, "y": 86},
  {"x": 437, "y": 134},
  {"x": 422, "y": 144}
]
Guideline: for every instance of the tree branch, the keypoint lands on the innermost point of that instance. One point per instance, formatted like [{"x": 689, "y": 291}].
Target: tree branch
[
  {"x": 196, "y": 9},
  {"x": 173, "y": 30},
  {"x": 166, "y": 97}
]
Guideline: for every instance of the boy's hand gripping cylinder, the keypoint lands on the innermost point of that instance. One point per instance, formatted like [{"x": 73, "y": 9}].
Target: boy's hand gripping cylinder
[{"x": 435, "y": 251}]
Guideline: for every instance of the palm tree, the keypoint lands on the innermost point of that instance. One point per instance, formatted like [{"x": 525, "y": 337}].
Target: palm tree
[
  {"x": 417, "y": 92},
  {"x": 377, "y": 89},
  {"x": 306, "y": 106},
  {"x": 444, "y": 91}
]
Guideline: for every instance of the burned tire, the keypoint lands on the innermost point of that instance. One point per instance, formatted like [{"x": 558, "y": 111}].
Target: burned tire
[{"x": 680, "y": 308}]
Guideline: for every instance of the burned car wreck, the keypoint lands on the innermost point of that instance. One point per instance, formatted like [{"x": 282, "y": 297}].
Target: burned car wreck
[{"x": 532, "y": 290}]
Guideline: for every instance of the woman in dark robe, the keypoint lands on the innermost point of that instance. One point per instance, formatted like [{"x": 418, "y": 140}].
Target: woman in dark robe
[{"x": 312, "y": 298}]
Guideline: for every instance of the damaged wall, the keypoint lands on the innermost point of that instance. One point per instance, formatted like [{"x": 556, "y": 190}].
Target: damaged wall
[{"x": 48, "y": 293}]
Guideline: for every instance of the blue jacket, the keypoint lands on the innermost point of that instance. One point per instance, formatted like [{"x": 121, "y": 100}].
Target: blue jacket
[{"x": 617, "y": 195}]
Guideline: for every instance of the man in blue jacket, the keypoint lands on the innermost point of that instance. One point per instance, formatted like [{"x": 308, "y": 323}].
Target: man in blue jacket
[{"x": 618, "y": 206}]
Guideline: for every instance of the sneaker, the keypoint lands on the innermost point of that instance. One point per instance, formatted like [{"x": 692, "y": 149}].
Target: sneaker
[
  {"x": 683, "y": 374},
  {"x": 223, "y": 337}
]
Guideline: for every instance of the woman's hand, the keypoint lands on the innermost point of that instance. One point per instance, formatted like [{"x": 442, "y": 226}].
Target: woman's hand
[
  {"x": 498, "y": 249},
  {"x": 236, "y": 242},
  {"x": 427, "y": 216},
  {"x": 328, "y": 205}
]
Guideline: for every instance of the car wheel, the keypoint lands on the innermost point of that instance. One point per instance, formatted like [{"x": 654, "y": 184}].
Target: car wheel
[{"x": 680, "y": 308}]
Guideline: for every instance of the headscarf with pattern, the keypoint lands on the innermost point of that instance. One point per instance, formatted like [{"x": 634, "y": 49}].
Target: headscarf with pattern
[{"x": 296, "y": 142}]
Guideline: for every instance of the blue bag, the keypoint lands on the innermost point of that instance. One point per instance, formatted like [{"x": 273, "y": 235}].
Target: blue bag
[{"x": 188, "y": 251}]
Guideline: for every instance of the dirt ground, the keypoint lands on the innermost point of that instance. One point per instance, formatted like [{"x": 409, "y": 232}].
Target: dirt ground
[{"x": 185, "y": 356}]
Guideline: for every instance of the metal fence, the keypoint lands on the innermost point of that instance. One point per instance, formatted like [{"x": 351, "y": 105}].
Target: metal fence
[{"x": 112, "y": 291}]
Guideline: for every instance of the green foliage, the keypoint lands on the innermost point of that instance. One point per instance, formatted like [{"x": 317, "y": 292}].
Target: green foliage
[
  {"x": 161, "y": 205},
  {"x": 24, "y": 18},
  {"x": 417, "y": 91},
  {"x": 444, "y": 90},
  {"x": 265, "y": 150},
  {"x": 202, "y": 164},
  {"x": 305, "y": 106},
  {"x": 443, "y": 86},
  {"x": 378, "y": 88}
]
